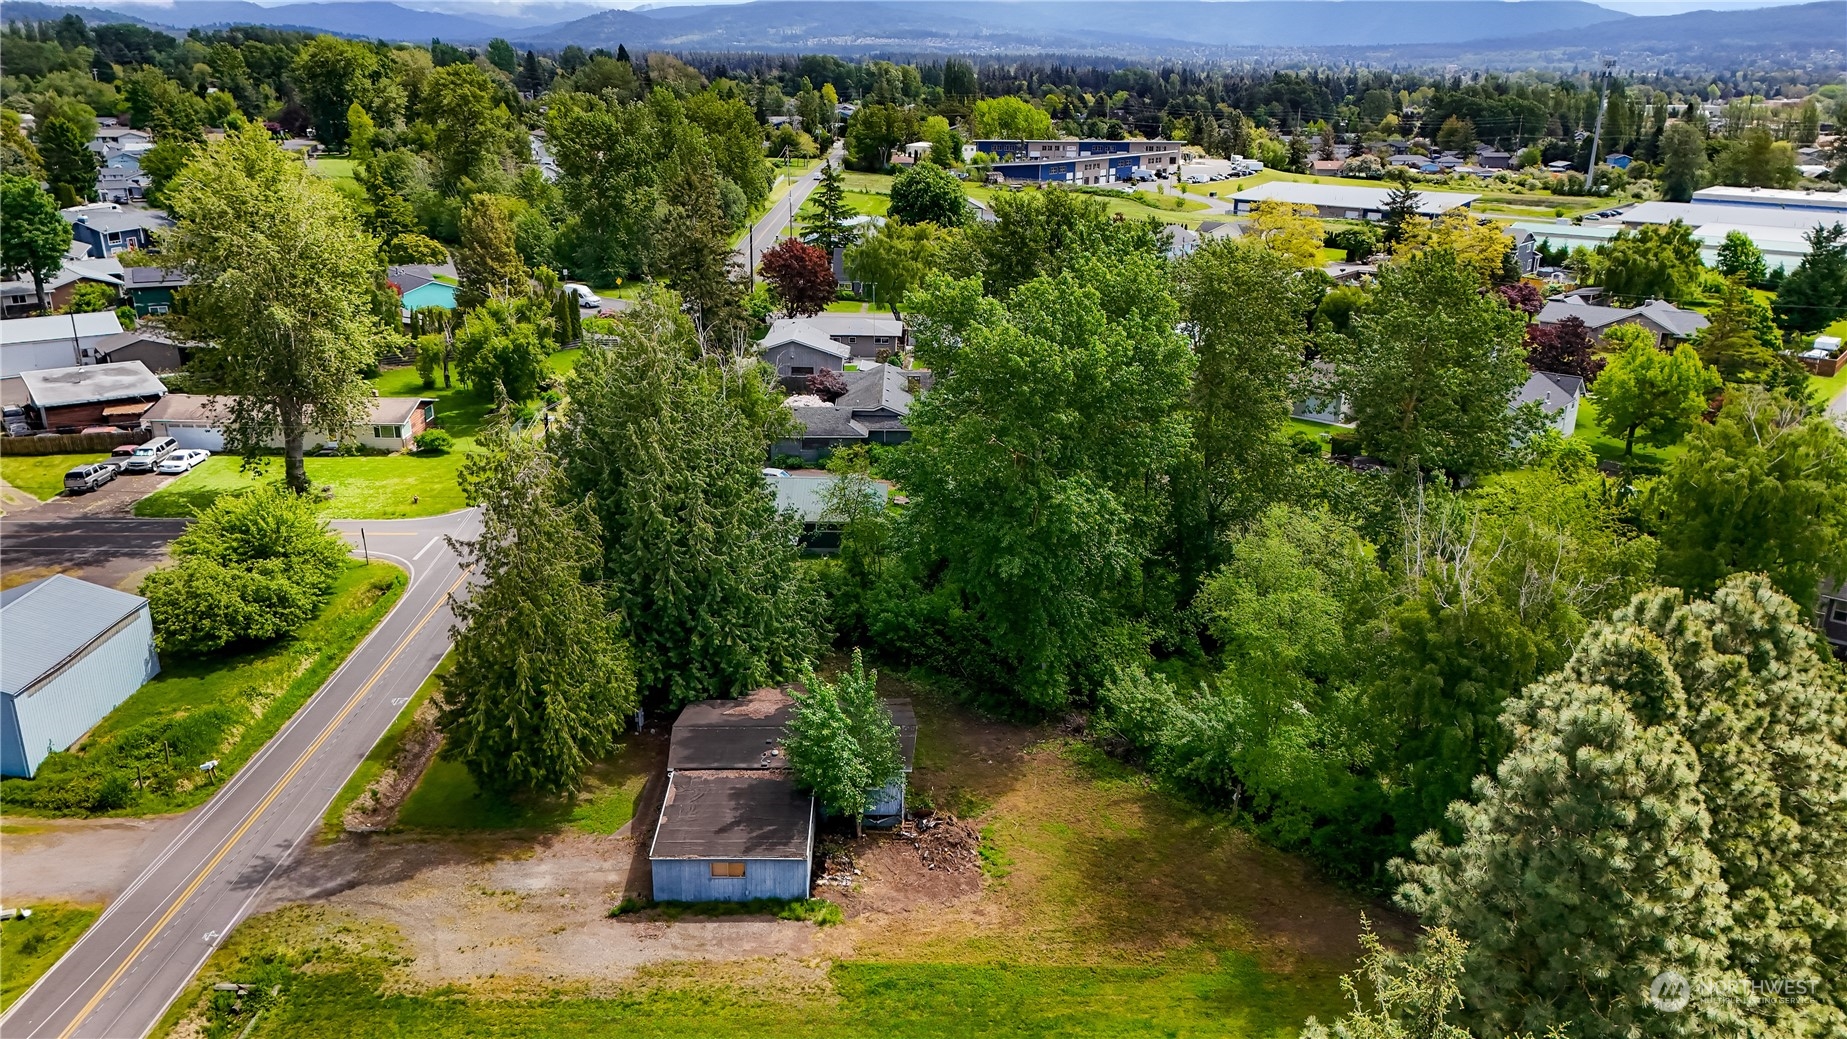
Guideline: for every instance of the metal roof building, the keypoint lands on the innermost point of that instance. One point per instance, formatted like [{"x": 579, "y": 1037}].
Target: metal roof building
[
  {"x": 1345, "y": 201},
  {"x": 70, "y": 652}
]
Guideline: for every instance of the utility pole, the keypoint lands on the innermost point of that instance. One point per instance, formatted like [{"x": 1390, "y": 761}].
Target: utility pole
[{"x": 1596, "y": 135}]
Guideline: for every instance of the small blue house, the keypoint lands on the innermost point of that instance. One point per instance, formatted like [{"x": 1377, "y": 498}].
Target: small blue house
[
  {"x": 733, "y": 825},
  {"x": 70, "y": 652}
]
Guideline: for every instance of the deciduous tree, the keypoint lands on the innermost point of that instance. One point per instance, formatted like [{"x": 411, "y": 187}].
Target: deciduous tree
[
  {"x": 1009, "y": 119},
  {"x": 928, "y": 193},
  {"x": 1029, "y": 470},
  {"x": 282, "y": 281},
  {"x": 1683, "y": 161},
  {"x": 841, "y": 741},
  {"x": 36, "y": 235},
  {"x": 894, "y": 261},
  {"x": 1761, "y": 489},
  {"x": 1290, "y": 229},
  {"x": 70, "y": 165},
  {"x": 801, "y": 276},
  {"x": 1430, "y": 366},
  {"x": 1566, "y": 347},
  {"x": 541, "y": 681},
  {"x": 1739, "y": 257},
  {"x": 1649, "y": 394}
]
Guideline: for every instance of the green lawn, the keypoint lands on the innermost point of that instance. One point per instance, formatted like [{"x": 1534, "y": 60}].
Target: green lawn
[
  {"x": 41, "y": 476},
  {"x": 1609, "y": 448},
  {"x": 223, "y": 707},
  {"x": 29, "y": 947},
  {"x": 1110, "y": 909},
  {"x": 366, "y": 486},
  {"x": 447, "y": 800}
]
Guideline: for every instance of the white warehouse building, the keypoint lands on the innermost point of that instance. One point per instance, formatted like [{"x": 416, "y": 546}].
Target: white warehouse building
[{"x": 70, "y": 652}]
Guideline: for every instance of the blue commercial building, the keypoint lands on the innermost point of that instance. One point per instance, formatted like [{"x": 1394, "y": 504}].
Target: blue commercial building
[
  {"x": 70, "y": 652},
  {"x": 1081, "y": 161},
  {"x": 733, "y": 825}
]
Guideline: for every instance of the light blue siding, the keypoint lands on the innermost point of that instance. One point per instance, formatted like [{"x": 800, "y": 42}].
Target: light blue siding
[
  {"x": 691, "y": 880},
  {"x": 890, "y": 807},
  {"x": 52, "y": 715}
]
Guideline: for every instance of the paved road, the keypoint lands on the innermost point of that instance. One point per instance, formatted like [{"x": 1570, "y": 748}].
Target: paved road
[
  {"x": 1837, "y": 409},
  {"x": 150, "y": 942},
  {"x": 776, "y": 223}
]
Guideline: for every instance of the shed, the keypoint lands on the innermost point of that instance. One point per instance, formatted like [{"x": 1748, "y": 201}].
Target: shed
[
  {"x": 731, "y": 836},
  {"x": 147, "y": 344},
  {"x": 91, "y": 395},
  {"x": 70, "y": 652},
  {"x": 733, "y": 825}
]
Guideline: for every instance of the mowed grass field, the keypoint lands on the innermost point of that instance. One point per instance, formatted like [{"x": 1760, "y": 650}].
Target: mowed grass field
[
  {"x": 42, "y": 476},
  {"x": 395, "y": 486},
  {"x": 1109, "y": 908}
]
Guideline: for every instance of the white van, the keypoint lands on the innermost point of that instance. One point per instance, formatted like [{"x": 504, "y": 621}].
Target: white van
[
  {"x": 583, "y": 295},
  {"x": 151, "y": 454}
]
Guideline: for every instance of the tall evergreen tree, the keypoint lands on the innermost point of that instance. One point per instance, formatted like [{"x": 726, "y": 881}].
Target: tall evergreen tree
[
  {"x": 1401, "y": 204},
  {"x": 670, "y": 444},
  {"x": 1814, "y": 295},
  {"x": 70, "y": 165},
  {"x": 1765, "y": 709},
  {"x": 827, "y": 227},
  {"x": 695, "y": 254},
  {"x": 541, "y": 682},
  {"x": 1583, "y": 871}
]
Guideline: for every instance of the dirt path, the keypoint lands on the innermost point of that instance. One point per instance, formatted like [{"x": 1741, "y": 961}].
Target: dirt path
[{"x": 76, "y": 860}]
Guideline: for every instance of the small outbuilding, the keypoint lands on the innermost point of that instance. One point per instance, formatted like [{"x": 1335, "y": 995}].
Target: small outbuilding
[
  {"x": 733, "y": 825},
  {"x": 91, "y": 395},
  {"x": 70, "y": 652}
]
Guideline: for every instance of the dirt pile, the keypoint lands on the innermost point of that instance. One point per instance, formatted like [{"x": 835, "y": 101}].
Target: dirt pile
[{"x": 944, "y": 843}]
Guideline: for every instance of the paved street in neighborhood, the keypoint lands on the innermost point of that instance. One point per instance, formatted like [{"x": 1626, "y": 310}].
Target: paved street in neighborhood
[{"x": 147, "y": 946}]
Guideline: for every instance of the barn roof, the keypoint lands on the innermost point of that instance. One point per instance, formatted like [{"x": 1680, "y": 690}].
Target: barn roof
[
  {"x": 733, "y": 815},
  {"x": 45, "y": 624},
  {"x": 746, "y": 734}
]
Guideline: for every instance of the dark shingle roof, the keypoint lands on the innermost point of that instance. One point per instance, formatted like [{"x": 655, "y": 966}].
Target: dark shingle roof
[{"x": 733, "y": 815}]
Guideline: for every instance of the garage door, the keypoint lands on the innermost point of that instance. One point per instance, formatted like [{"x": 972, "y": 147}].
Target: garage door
[{"x": 195, "y": 437}]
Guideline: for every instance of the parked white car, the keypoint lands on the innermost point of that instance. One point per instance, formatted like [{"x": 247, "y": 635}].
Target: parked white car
[
  {"x": 180, "y": 462},
  {"x": 583, "y": 295}
]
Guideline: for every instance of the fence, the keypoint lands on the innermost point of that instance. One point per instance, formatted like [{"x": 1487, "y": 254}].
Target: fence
[{"x": 71, "y": 443}]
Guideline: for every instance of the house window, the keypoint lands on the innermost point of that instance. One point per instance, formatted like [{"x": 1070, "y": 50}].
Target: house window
[
  {"x": 387, "y": 432},
  {"x": 1839, "y": 616},
  {"x": 157, "y": 309},
  {"x": 727, "y": 869},
  {"x": 801, "y": 370}
]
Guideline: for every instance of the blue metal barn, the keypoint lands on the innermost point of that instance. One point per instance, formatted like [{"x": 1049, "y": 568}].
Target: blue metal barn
[{"x": 70, "y": 651}]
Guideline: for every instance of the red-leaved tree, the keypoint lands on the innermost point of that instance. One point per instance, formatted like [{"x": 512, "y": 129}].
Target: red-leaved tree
[
  {"x": 1522, "y": 297},
  {"x": 800, "y": 275},
  {"x": 1566, "y": 347},
  {"x": 827, "y": 384}
]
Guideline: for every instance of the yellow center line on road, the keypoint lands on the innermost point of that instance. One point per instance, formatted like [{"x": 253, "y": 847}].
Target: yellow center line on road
[{"x": 274, "y": 793}]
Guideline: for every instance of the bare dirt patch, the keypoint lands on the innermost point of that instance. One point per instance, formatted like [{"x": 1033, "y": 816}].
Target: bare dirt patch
[
  {"x": 376, "y": 808},
  {"x": 76, "y": 860}
]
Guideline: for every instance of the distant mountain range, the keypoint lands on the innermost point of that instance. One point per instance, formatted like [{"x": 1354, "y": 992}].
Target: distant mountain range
[{"x": 1491, "y": 33}]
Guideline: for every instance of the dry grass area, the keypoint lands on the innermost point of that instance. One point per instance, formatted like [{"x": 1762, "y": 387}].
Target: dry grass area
[{"x": 1100, "y": 906}]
